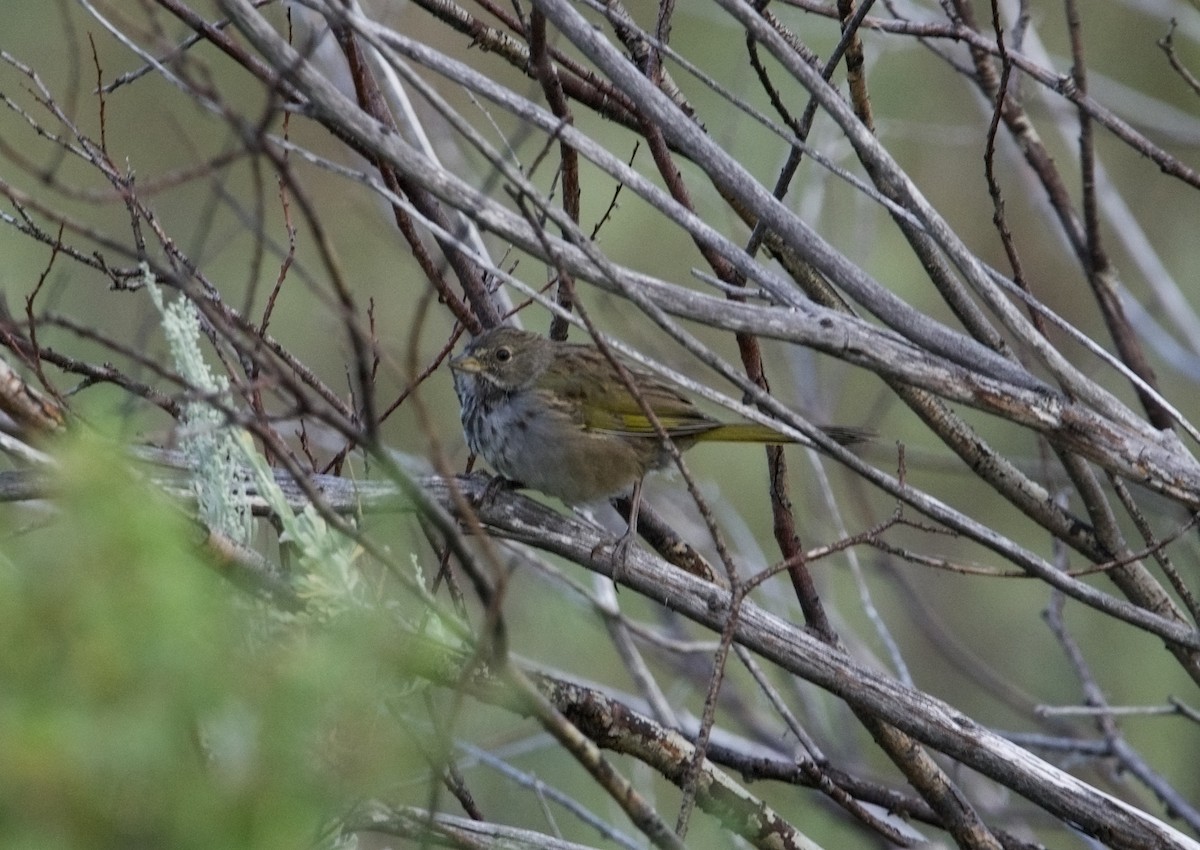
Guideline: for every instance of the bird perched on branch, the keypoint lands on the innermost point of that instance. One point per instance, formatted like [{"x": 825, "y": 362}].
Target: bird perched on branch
[{"x": 557, "y": 417}]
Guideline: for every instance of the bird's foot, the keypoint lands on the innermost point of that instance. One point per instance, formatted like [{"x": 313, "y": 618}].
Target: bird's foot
[
  {"x": 621, "y": 549},
  {"x": 620, "y": 553},
  {"x": 494, "y": 488}
]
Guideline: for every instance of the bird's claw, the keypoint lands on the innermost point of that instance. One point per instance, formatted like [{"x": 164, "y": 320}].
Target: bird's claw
[
  {"x": 493, "y": 488},
  {"x": 620, "y": 553}
]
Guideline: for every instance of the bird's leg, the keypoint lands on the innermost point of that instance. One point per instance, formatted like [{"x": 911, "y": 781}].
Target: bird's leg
[{"x": 621, "y": 548}]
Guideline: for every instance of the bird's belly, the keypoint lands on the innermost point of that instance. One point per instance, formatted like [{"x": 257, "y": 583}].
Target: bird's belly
[
  {"x": 556, "y": 455},
  {"x": 590, "y": 468}
]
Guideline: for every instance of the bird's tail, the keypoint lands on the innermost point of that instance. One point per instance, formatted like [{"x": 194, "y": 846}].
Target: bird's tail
[{"x": 752, "y": 432}]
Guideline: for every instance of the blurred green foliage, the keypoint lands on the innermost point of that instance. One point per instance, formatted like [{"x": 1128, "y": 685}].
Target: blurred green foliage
[{"x": 141, "y": 704}]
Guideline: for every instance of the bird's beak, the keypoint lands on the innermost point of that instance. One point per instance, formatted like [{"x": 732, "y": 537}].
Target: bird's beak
[{"x": 465, "y": 363}]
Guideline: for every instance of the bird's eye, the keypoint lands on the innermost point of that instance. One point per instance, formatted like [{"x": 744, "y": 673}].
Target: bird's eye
[{"x": 504, "y": 354}]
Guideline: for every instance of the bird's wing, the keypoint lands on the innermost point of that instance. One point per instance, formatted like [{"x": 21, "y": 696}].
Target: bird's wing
[{"x": 608, "y": 406}]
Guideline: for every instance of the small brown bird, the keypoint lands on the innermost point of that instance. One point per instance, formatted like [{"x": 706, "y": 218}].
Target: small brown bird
[{"x": 556, "y": 416}]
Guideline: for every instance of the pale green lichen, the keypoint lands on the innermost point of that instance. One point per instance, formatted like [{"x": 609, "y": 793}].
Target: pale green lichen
[{"x": 226, "y": 468}]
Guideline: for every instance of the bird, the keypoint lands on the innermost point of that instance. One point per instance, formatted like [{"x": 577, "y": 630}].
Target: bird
[{"x": 557, "y": 417}]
